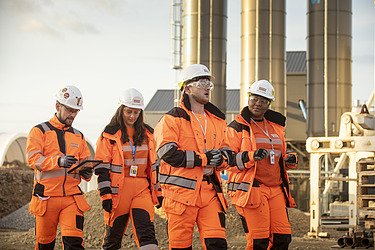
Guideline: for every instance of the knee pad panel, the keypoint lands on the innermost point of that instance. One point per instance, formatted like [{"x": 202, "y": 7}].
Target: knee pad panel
[
  {"x": 48, "y": 246},
  {"x": 281, "y": 241},
  {"x": 72, "y": 243},
  {"x": 260, "y": 244},
  {"x": 113, "y": 235},
  {"x": 144, "y": 227},
  {"x": 215, "y": 243}
]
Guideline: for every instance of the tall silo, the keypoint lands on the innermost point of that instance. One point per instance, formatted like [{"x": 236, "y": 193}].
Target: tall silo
[
  {"x": 204, "y": 40},
  {"x": 329, "y": 64},
  {"x": 263, "y": 47}
]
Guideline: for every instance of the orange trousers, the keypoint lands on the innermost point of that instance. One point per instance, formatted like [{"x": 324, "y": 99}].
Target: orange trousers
[
  {"x": 135, "y": 204},
  {"x": 266, "y": 222},
  {"x": 63, "y": 211},
  {"x": 207, "y": 213}
]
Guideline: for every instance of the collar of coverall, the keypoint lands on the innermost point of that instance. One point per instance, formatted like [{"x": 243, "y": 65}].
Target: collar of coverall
[
  {"x": 208, "y": 107},
  {"x": 57, "y": 124},
  {"x": 270, "y": 115}
]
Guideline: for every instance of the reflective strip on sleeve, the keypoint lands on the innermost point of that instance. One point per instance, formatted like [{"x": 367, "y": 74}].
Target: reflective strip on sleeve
[
  {"x": 178, "y": 181},
  {"x": 243, "y": 187},
  {"x": 114, "y": 190},
  {"x": 155, "y": 166},
  {"x": 39, "y": 162},
  {"x": 239, "y": 162},
  {"x": 189, "y": 159},
  {"x": 104, "y": 184},
  {"x": 103, "y": 165},
  {"x": 42, "y": 175},
  {"x": 165, "y": 148},
  {"x": 31, "y": 153},
  {"x": 116, "y": 168}
]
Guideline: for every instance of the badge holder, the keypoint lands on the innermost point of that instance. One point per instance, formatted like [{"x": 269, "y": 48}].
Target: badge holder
[
  {"x": 133, "y": 171},
  {"x": 272, "y": 156}
]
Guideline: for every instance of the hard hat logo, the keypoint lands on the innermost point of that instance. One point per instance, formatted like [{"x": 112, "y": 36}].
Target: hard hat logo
[
  {"x": 132, "y": 98},
  {"x": 70, "y": 96},
  {"x": 263, "y": 88}
]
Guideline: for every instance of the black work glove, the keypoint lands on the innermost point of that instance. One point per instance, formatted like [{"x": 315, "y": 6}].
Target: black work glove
[
  {"x": 230, "y": 156},
  {"x": 66, "y": 161},
  {"x": 160, "y": 200},
  {"x": 260, "y": 154},
  {"x": 214, "y": 158},
  {"x": 291, "y": 159},
  {"x": 86, "y": 173},
  {"x": 107, "y": 205}
]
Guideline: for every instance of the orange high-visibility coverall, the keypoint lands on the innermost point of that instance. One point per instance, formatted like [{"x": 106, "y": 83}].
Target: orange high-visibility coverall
[
  {"x": 260, "y": 190},
  {"x": 189, "y": 197},
  {"x": 57, "y": 197},
  {"x": 132, "y": 197}
]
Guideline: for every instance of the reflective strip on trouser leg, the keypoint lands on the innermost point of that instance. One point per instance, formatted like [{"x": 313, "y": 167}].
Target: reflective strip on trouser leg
[{"x": 113, "y": 234}]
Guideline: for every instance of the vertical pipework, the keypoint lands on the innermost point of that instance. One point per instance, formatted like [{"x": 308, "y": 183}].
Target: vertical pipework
[
  {"x": 205, "y": 41},
  {"x": 263, "y": 48},
  {"x": 329, "y": 64}
]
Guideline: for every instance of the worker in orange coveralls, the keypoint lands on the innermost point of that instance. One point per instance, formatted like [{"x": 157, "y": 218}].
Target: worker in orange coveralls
[
  {"x": 188, "y": 140},
  {"x": 259, "y": 185},
  {"x": 52, "y": 148},
  {"x": 126, "y": 180}
]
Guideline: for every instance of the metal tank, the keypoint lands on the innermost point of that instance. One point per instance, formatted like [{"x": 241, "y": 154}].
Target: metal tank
[
  {"x": 329, "y": 64},
  {"x": 204, "y": 41},
  {"x": 263, "y": 48}
]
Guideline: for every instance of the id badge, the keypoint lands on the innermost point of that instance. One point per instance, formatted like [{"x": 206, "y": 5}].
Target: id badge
[
  {"x": 272, "y": 156},
  {"x": 133, "y": 170}
]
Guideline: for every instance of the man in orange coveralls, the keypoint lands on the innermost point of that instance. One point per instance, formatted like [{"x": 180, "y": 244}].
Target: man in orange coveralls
[
  {"x": 188, "y": 140},
  {"x": 52, "y": 148},
  {"x": 259, "y": 185}
]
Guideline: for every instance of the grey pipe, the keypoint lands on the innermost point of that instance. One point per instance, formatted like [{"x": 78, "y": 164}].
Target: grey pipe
[{"x": 367, "y": 242}]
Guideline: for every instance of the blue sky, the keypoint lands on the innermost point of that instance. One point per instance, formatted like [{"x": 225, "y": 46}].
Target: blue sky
[{"x": 104, "y": 47}]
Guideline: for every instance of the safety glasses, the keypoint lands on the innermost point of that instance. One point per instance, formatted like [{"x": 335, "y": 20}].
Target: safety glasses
[
  {"x": 263, "y": 101},
  {"x": 202, "y": 83}
]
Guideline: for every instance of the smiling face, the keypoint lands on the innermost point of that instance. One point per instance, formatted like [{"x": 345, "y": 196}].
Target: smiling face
[
  {"x": 130, "y": 115},
  {"x": 66, "y": 114},
  {"x": 258, "y": 105}
]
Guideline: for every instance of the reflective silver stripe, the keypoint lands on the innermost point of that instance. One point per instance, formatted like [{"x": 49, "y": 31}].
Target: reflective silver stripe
[
  {"x": 165, "y": 148},
  {"x": 232, "y": 186},
  {"x": 114, "y": 190},
  {"x": 103, "y": 165},
  {"x": 155, "y": 166},
  {"x": 104, "y": 184},
  {"x": 127, "y": 148},
  {"x": 45, "y": 127},
  {"x": 239, "y": 162},
  {"x": 116, "y": 168},
  {"x": 39, "y": 162},
  {"x": 129, "y": 162},
  {"x": 31, "y": 153},
  {"x": 42, "y": 175},
  {"x": 267, "y": 141},
  {"x": 156, "y": 186},
  {"x": 189, "y": 158},
  {"x": 178, "y": 181},
  {"x": 226, "y": 148},
  {"x": 243, "y": 186}
]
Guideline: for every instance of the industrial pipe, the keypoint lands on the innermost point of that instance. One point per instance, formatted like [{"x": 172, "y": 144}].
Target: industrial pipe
[{"x": 341, "y": 242}]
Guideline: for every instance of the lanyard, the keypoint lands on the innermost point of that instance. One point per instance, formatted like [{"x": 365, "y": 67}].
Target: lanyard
[
  {"x": 204, "y": 129},
  {"x": 134, "y": 149},
  {"x": 264, "y": 131}
]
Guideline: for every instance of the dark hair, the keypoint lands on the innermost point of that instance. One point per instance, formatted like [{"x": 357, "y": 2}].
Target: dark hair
[{"x": 117, "y": 122}]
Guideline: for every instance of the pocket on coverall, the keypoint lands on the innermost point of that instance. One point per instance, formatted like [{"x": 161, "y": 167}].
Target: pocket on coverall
[
  {"x": 254, "y": 199},
  {"x": 81, "y": 203},
  {"x": 173, "y": 207},
  {"x": 37, "y": 206}
]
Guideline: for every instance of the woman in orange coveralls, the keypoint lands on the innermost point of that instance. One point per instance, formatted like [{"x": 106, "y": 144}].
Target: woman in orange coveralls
[
  {"x": 259, "y": 185},
  {"x": 126, "y": 180}
]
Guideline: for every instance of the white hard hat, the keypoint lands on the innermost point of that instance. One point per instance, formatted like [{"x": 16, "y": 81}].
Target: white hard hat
[
  {"x": 132, "y": 98},
  {"x": 263, "y": 88},
  {"x": 70, "y": 96},
  {"x": 191, "y": 72}
]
